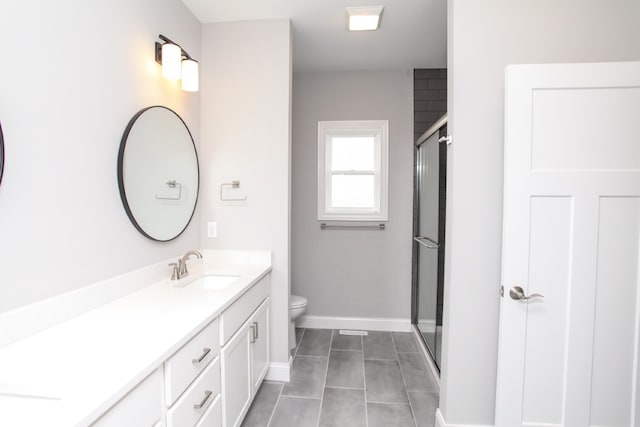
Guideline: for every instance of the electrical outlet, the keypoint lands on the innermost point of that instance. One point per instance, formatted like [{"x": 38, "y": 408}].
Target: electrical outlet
[{"x": 212, "y": 229}]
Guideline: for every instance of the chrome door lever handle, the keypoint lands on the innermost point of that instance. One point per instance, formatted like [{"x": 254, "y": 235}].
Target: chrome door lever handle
[{"x": 517, "y": 293}]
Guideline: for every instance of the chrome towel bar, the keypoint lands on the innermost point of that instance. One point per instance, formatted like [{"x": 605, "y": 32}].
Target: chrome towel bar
[{"x": 325, "y": 226}]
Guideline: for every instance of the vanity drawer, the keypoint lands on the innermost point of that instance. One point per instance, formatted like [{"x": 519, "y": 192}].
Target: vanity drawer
[
  {"x": 233, "y": 317},
  {"x": 213, "y": 416},
  {"x": 142, "y": 406},
  {"x": 198, "y": 398},
  {"x": 185, "y": 365}
]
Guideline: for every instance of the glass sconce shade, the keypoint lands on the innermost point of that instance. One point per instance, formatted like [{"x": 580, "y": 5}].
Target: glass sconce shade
[
  {"x": 171, "y": 61},
  {"x": 190, "y": 75}
]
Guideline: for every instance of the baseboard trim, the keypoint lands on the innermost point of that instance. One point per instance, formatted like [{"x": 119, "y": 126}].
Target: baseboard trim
[
  {"x": 358, "y": 323},
  {"x": 279, "y": 372},
  {"x": 440, "y": 422}
]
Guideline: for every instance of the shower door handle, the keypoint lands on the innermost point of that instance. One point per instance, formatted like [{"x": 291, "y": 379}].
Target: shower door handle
[
  {"x": 517, "y": 293},
  {"x": 427, "y": 242}
]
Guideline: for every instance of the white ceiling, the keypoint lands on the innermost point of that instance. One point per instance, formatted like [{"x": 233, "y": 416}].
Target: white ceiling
[{"x": 412, "y": 33}]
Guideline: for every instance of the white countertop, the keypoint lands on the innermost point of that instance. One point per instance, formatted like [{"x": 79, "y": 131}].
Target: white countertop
[{"x": 86, "y": 364}]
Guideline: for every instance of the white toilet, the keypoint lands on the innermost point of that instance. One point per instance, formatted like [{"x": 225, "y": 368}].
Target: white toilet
[{"x": 297, "y": 306}]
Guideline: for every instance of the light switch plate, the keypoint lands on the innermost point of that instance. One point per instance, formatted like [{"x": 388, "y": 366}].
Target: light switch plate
[{"x": 212, "y": 229}]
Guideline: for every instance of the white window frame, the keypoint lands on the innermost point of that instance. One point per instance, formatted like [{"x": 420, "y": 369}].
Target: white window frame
[{"x": 327, "y": 130}]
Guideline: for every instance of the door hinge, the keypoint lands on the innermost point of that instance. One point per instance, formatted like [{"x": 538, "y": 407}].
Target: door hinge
[
  {"x": 501, "y": 291},
  {"x": 446, "y": 138}
]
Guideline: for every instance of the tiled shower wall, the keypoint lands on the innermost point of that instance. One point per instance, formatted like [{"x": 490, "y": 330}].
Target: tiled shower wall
[{"x": 429, "y": 98}]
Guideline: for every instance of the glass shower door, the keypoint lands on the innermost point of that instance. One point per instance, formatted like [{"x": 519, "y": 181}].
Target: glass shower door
[{"x": 429, "y": 241}]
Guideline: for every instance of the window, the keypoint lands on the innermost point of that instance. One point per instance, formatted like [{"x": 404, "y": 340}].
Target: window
[{"x": 353, "y": 170}]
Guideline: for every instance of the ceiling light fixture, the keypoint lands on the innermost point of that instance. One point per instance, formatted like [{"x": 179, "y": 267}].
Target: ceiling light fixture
[
  {"x": 177, "y": 64},
  {"x": 364, "y": 18}
]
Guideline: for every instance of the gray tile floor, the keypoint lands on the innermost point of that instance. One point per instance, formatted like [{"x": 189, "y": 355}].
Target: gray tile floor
[{"x": 379, "y": 380}]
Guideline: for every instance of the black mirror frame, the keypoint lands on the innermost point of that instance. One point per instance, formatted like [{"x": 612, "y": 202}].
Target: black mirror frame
[
  {"x": 1, "y": 153},
  {"x": 123, "y": 195}
]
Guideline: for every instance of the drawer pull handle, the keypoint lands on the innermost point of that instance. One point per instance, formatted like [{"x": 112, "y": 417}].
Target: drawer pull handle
[
  {"x": 205, "y": 353},
  {"x": 257, "y": 330},
  {"x": 252, "y": 339},
  {"x": 202, "y": 404}
]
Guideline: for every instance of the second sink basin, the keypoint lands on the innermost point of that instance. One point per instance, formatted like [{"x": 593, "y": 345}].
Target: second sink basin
[{"x": 214, "y": 282}]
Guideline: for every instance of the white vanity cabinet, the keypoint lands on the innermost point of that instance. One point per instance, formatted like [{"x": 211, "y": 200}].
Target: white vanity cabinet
[
  {"x": 245, "y": 351},
  {"x": 163, "y": 354},
  {"x": 212, "y": 379}
]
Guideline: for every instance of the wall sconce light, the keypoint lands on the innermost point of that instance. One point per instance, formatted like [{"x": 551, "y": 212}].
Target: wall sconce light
[{"x": 177, "y": 64}]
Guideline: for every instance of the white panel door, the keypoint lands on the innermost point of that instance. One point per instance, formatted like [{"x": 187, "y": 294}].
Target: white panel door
[{"x": 572, "y": 234}]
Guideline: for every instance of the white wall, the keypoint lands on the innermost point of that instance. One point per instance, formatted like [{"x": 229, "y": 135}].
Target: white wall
[
  {"x": 483, "y": 38},
  {"x": 246, "y": 99},
  {"x": 72, "y": 75},
  {"x": 353, "y": 273}
]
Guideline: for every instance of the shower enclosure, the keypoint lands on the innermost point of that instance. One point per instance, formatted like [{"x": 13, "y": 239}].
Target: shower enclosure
[{"x": 428, "y": 231}]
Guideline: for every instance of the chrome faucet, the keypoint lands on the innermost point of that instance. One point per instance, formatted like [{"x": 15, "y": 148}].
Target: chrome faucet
[{"x": 180, "y": 267}]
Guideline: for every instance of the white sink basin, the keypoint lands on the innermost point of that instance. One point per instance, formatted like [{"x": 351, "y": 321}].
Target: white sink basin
[{"x": 214, "y": 282}]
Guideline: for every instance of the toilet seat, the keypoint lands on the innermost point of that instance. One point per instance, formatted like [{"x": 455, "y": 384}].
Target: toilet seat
[{"x": 297, "y": 301}]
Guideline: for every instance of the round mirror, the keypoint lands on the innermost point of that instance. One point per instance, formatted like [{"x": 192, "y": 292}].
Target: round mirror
[
  {"x": 1, "y": 153},
  {"x": 158, "y": 173}
]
